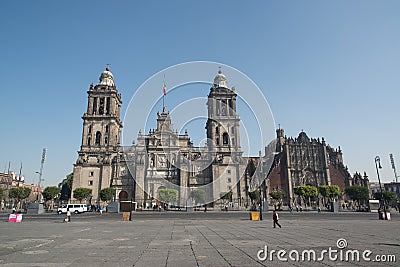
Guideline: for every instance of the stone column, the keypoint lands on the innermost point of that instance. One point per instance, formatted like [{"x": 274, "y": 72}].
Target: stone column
[
  {"x": 96, "y": 109},
  {"x": 112, "y": 105},
  {"x": 289, "y": 175},
  {"x": 234, "y": 105},
  {"x": 326, "y": 165}
]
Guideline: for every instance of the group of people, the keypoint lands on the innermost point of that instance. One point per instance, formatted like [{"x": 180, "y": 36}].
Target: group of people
[{"x": 97, "y": 208}]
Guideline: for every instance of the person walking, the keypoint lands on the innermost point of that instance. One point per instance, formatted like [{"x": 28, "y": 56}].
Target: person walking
[
  {"x": 68, "y": 215},
  {"x": 275, "y": 218}
]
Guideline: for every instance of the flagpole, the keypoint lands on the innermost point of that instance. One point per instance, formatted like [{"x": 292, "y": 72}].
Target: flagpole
[{"x": 164, "y": 93}]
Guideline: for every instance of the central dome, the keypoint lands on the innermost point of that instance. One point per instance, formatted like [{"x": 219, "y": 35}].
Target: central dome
[{"x": 220, "y": 80}]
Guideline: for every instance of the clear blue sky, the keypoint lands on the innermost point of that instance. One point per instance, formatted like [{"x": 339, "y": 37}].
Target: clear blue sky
[{"x": 331, "y": 68}]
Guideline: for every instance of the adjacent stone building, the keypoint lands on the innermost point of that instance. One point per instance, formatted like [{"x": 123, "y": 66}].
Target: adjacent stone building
[
  {"x": 308, "y": 161},
  {"x": 11, "y": 180}
]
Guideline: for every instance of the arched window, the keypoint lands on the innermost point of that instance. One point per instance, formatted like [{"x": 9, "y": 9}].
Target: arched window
[
  {"x": 108, "y": 105},
  {"x": 107, "y": 128},
  {"x": 98, "y": 138},
  {"x": 88, "y": 140},
  {"x": 217, "y": 141},
  {"x": 94, "y": 108},
  {"x": 90, "y": 129},
  {"x": 217, "y": 130},
  {"x": 101, "y": 106},
  {"x": 106, "y": 140},
  {"x": 225, "y": 138}
]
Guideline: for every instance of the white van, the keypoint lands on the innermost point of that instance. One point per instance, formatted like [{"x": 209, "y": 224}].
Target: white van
[{"x": 75, "y": 208}]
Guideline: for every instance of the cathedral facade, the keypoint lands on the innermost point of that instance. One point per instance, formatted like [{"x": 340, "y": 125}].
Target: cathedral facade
[{"x": 164, "y": 159}]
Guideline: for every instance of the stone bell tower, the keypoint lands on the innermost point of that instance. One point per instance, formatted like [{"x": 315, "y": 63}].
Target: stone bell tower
[
  {"x": 100, "y": 137},
  {"x": 223, "y": 123},
  {"x": 223, "y": 139}
]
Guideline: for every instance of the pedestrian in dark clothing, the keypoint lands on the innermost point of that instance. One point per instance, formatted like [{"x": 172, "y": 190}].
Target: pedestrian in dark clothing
[{"x": 275, "y": 218}]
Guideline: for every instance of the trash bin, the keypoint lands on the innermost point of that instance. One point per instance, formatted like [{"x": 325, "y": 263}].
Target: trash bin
[{"x": 254, "y": 216}]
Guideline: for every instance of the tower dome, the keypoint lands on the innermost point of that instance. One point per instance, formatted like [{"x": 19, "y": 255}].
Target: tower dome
[
  {"x": 106, "y": 77},
  {"x": 220, "y": 80}
]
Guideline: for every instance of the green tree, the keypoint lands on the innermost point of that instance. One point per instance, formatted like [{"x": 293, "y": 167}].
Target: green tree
[
  {"x": 66, "y": 187},
  {"x": 311, "y": 191},
  {"x": 198, "y": 195},
  {"x": 255, "y": 195},
  {"x": 167, "y": 195},
  {"x": 277, "y": 195},
  {"x": 1, "y": 193},
  {"x": 358, "y": 194},
  {"x": 329, "y": 191},
  {"x": 82, "y": 193},
  {"x": 226, "y": 195},
  {"x": 306, "y": 192},
  {"x": 388, "y": 196},
  {"x": 107, "y": 194},
  {"x": 50, "y": 193},
  {"x": 19, "y": 193}
]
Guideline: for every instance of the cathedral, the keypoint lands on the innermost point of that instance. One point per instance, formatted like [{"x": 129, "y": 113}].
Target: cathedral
[{"x": 164, "y": 159}]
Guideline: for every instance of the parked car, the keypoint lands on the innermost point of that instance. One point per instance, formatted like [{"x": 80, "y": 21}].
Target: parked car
[{"x": 75, "y": 208}]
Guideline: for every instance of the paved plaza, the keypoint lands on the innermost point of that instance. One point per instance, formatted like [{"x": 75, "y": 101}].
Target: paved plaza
[{"x": 193, "y": 239}]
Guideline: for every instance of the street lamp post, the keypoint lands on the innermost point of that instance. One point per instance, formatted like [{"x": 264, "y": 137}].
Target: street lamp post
[
  {"x": 261, "y": 203},
  {"x": 39, "y": 186},
  {"x": 40, "y": 178},
  {"x": 261, "y": 184},
  {"x": 378, "y": 166}
]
